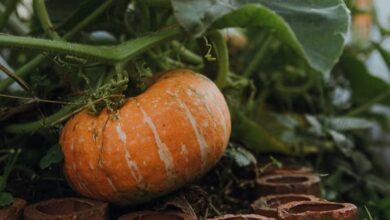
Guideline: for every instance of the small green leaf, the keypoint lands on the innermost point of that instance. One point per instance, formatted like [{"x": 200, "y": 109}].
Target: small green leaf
[
  {"x": 316, "y": 126},
  {"x": 6, "y": 199},
  {"x": 53, "y": 156},
  {"x": 344, "y": 143},
  {"x": 348, "y": 123},
  {"x": 240, "y": 155},
  {"x": 276, "y": 162}
]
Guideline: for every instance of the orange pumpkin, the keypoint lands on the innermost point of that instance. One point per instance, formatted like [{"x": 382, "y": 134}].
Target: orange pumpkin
[{"x": 160, "y": 140}]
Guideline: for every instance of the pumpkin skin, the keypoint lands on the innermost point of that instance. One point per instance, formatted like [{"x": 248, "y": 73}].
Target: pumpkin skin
[{"x": 164, "y": 138}]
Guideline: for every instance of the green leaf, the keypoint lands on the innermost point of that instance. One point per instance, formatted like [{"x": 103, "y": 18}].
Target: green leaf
[
  {"x": 240, "y": 155},
  {"x": 364, "y": 86},
  {"x": 348, "y": 123},
  {"x": 384, "y": 53},
  {"x": 315, "y": 29},
  {"x": 343, "y": 142},
  {"x": 53, "y": 156},
  {"x": 6, "y": 199},
  {"x": 255, "y": 136},
  {"x": 361, "y": 162}
]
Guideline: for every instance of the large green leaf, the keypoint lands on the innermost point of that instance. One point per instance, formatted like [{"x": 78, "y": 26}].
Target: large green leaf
[
  {"x": 365, "y": 87},
  {"x": 315, "y": 29}
]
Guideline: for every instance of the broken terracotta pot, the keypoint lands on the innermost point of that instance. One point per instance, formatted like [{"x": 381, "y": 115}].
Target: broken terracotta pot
[
  {"x": 67, "y": 208},
  {"x": 272, "y": 170},
  {"x": 317, "y": 210},
  {"x": 267, "y": 205},
  {"x": 150, "y": 215},
  {"x": 291, "y": 183},
  {"x": 242, "y": 217},
  {"x": 14, "y": 211}
]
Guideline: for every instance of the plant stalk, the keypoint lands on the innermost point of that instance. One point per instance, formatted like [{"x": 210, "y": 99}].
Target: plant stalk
[
  {"x": 266, "y": 40},
  {"x": 362, "y": 108},
  {"x": 111, "y": 54},
  {"x": 222, "y": 54},
  {"x": 57, "y": 117},
  {"x": 43, "y": 16}
]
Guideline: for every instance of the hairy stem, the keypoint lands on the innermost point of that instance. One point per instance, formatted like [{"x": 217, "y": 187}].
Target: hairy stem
[
  {"x": 41, "y": 12},
  {"x": 187, "y": 54},
  {"x": 55, "y": 46},
  {"x": 222, "y": 54},
  {"x": 48, "y": 121},
  {"x": 112, "y": 54}
]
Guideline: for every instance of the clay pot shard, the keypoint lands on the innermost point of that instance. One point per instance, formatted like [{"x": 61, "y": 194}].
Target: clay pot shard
[
  {"x": 67, "y": 208},
  {"x": 14, "y": 211},
  {"x": 267, "y": 205},
  {"x": 318, "y": 210},
  {"x": 242, "y": 217},
  {"x": 150, "y": 215},
  {"x": 293, "y": 183},
  {"x": 272, "y": 170}
]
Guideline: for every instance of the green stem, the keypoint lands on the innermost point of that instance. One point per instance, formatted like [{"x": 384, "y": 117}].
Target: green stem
[
  {"x": 11, "y": 164},
  {"x": 128, "y": 50},
  {"x": 41, "y": 11},
  {"x": 102, "y": 53},
  {"x": 9, "y": 8},
  {"x": 23, "y": 71},
  {"x": 90, "y": 18},
  {"x": 297, "y": 89},
  {"x": 57, "y": 117},
  {"x": 186, "y": 54},
  {"x": 113, "y": 54},
  {"x": 266, "y": 40},
  {"x": 222, "y": 54},
  {"x": 369, "y": 103}
]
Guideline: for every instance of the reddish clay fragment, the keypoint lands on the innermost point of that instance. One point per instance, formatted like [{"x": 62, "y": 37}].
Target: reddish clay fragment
[
  {"x": 66, "y": 209},
  {"x": 267, "y": 205},
  {"x": 284, "y": 184},
  {"x": 242, "y": 217},
  {"x": 318, "y": 210},
  {"x": 150, "y": 215},
  {"x": 272, "y": 170},
  {"x": 14, "y": 211}
]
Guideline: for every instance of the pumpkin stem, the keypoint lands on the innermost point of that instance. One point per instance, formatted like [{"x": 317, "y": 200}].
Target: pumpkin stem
[{"x": 222, "y": 54}]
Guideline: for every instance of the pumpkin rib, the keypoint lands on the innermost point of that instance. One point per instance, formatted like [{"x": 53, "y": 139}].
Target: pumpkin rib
[
  {"x": 131, "y": 164},
  {"x": 211, "y": 119},
  {"x": 163, "y": 150},
  {"x": 203, "y": 146}
]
